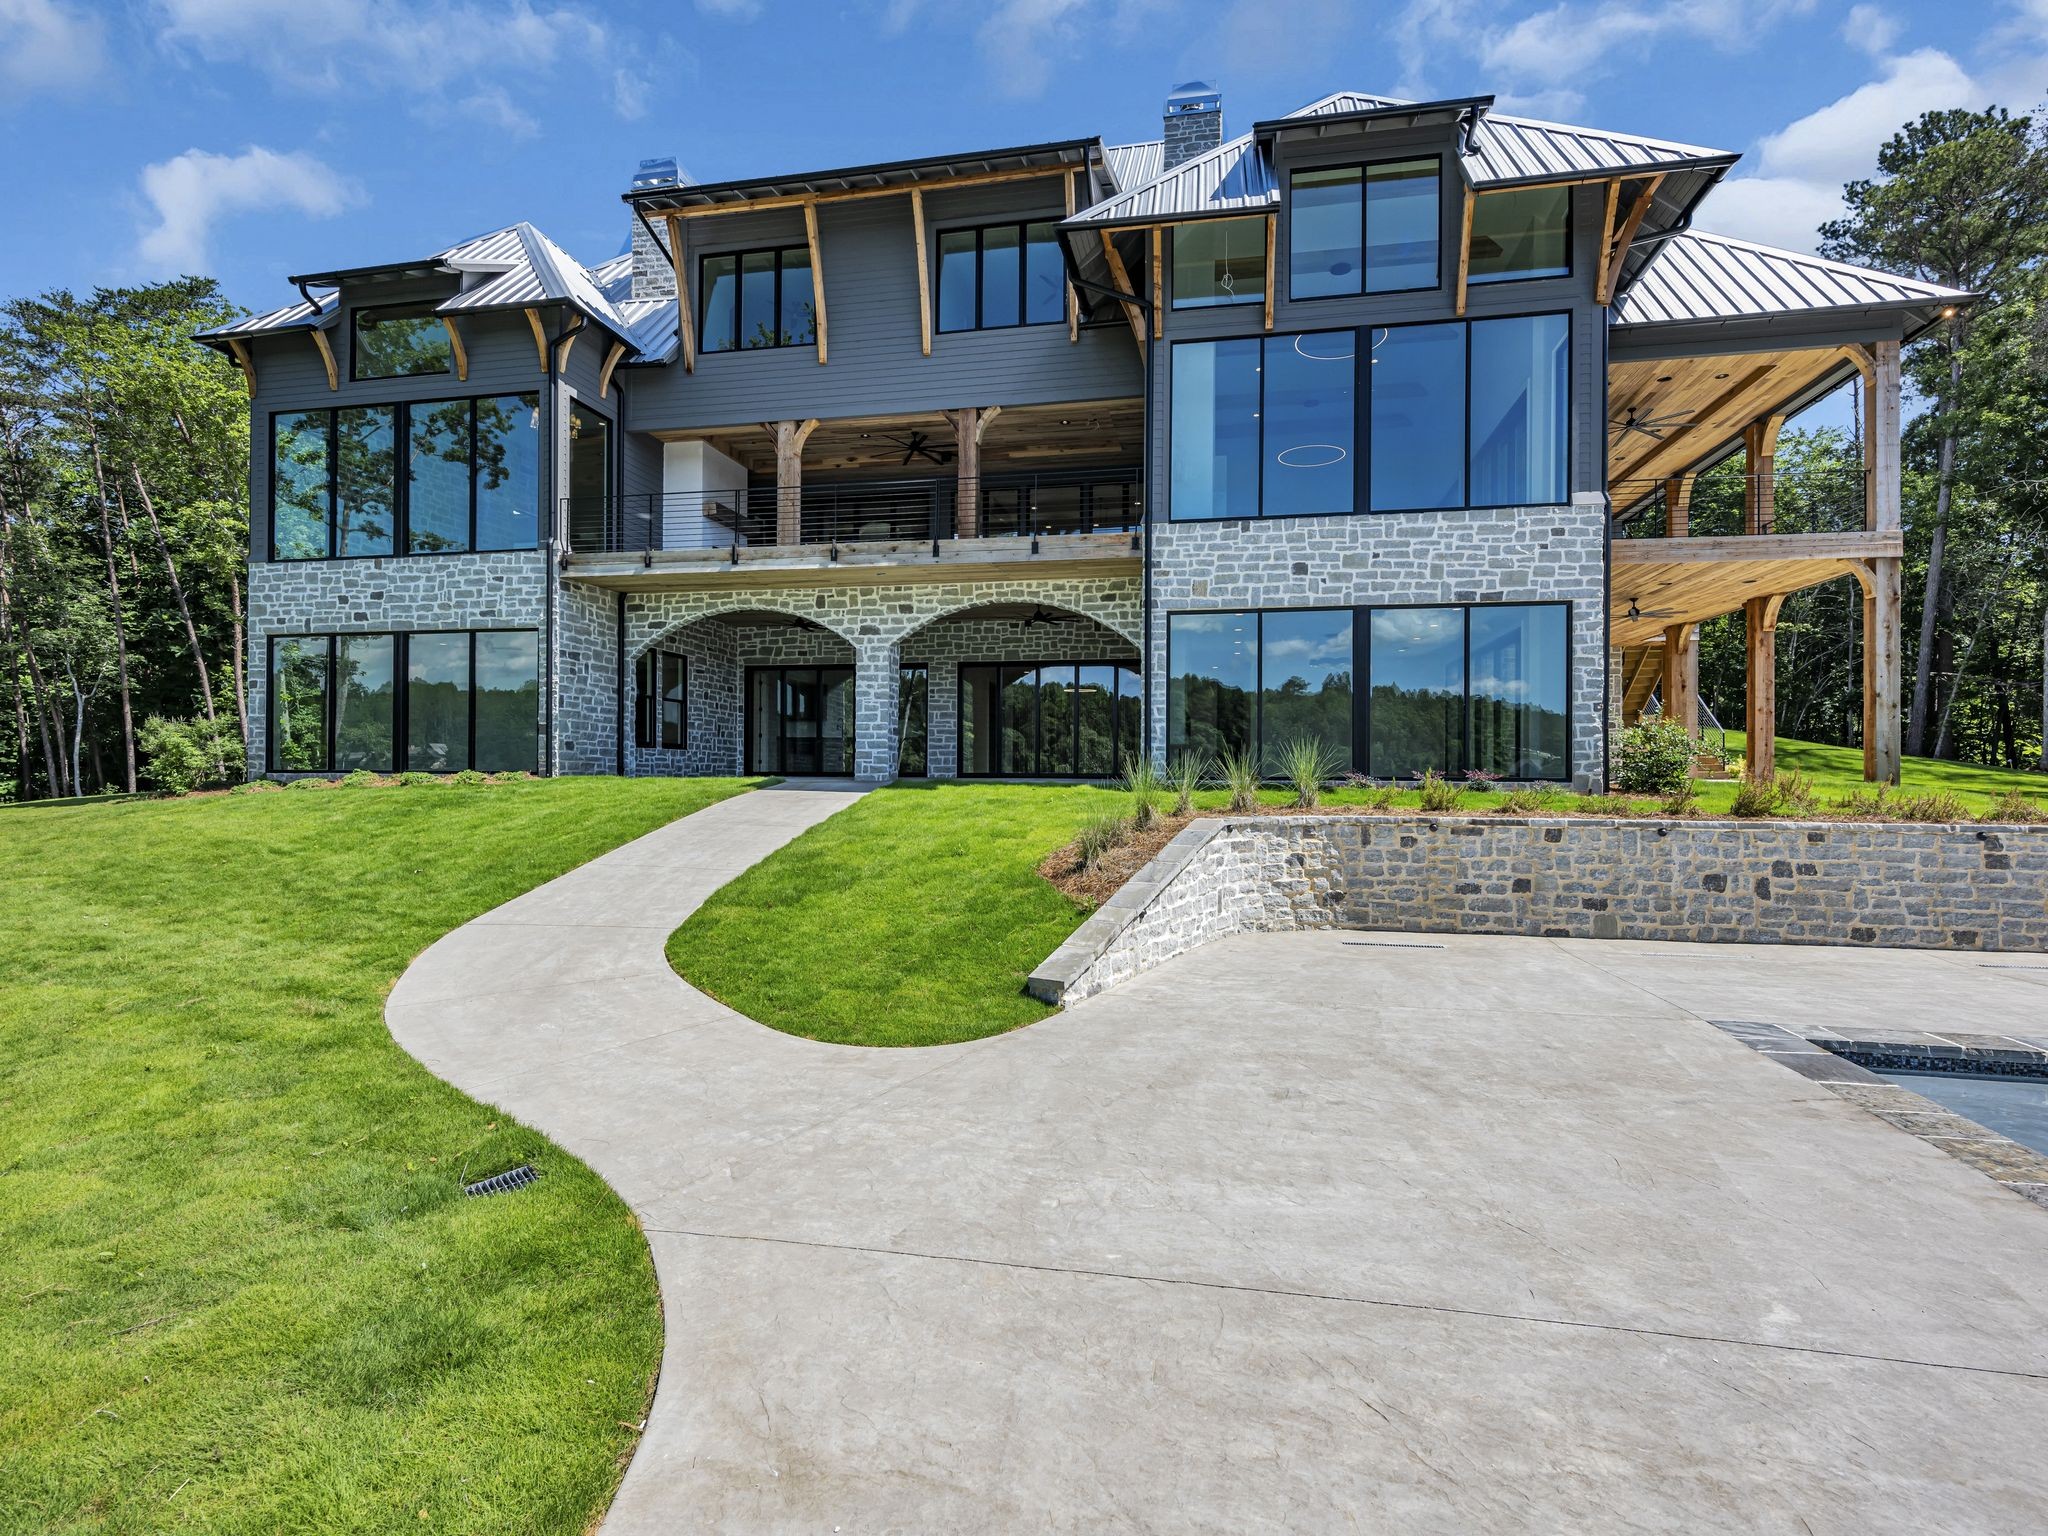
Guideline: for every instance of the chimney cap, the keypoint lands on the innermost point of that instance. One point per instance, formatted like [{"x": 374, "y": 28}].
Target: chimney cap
[
  {"x": 1193, "y": 96},
  {"x": 658, "y": 172}
]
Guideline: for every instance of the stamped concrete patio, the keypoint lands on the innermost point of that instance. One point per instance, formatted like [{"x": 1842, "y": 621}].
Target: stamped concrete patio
[{"x": 1303, "y": 1232}]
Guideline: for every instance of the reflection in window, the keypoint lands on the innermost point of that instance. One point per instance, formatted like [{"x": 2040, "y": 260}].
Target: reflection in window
[
  {"x": 1308, "y": 419},
  {"x": 508, "y": 472},
  {"x": 1401, "y": 226},
  {"x": 1212, "y": 683},
  {"x": 1001, "y": 276},
  {"x": 399, "y": 341},
  {"x": 365, "y": 479},
  {"x": 437, "y": 703},
  {"x": 1325, "y": 234},
  {"x": 1521, "y": 408},
  {"x": 758, "y": 299},
  {"x": 1051, "y": 720},
  {"x": 437, "y": 480},
  {"x": 661, "y": 711},
  {"x": 1417, "y": 705},
  {"x": 1521, "y": 233},
  {"x": 1354, "y": 230},
  {"x": 1215, "y": 469},
  {"x": 1418, "y": 415},
  {"x": 299, "y": 485},
  {"x": 957, "y": 297},
  {"x": 913, "y": 720},
  {"x": 365, "y": 703},
  {"x": 1045, "y": 275},
  {"x": 298, "y": 704},
  {"x": 1520, "y": 693},
  {"x": 1219, "y": 261},
  {"x": 1305, "y": 665},
  {"x": 796, "y": 305},
  {"x": 508, "y": 701}
]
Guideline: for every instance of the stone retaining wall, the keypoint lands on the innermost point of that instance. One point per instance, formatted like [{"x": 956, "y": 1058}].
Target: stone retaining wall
[{"x": 1908, "y": 886}]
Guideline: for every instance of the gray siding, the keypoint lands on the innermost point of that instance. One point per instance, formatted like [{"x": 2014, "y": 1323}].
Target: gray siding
[{"x": 874, "y": 366}]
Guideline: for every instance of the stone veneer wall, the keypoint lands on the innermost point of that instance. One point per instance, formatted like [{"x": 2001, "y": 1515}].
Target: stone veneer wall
[
  {"x": 1511, "y": 555},
  {"x": 587, "y": 687},
  {"x": 1905, "y": 885},
  {"x": 376, "y": 596}
]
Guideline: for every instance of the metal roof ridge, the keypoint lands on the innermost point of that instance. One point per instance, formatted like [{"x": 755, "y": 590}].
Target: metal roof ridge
[{"x": 1813, "y": 259}]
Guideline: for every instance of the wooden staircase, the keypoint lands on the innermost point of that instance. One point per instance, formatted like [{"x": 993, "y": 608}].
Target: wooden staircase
[{"x": 1642, "y": 668}]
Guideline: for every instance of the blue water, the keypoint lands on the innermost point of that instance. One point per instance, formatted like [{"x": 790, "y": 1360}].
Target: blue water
[{"x": 2016, "y": 1107}]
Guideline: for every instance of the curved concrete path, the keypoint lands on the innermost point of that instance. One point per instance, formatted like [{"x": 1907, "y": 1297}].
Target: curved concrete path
[{"x": 1326, "y": 1231}]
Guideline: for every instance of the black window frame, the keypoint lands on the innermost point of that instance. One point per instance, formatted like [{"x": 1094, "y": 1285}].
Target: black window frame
[
  {"x": 1136, "y": 701},
  {"x": 426, "y": 308},
  {"x": 904, "y": 669},
  {"x": 1571, "y": 214},
  {"x": 738, "y": 259},
  {"x": 401, "y": 684},
  {"x": 401, "y": 490},
  {"x": 1364, "y": 169},
  {"x": 1172, "y": 263},
  {"x": 980, "y": 233},
  {"x": 1361, "y": 675},
  {"x": 1361, "y": 400},
  {"x": 651, "y": 671}
]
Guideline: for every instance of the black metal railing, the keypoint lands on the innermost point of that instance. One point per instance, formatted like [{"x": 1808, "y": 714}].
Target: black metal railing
[
  {"x": 1726, "y": 503},
  {"x": 843, "y": 512}
]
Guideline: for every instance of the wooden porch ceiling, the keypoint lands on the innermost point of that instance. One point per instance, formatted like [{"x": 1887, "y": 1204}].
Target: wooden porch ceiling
[
  {"x": 1686, "y": 581},
  {"x": 1687, "y": 407},
  {"x": 1085, "y": 434}
]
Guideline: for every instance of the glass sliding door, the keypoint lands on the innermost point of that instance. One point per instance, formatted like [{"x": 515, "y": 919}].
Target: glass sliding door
[
  {"x": 800, "y": 720},
  {"x": 1049, "y": 720},
  {"x": 508, "y": 701},
  {"x": 1212, "y": 680},
  {"x": 366, "y": 702},
  {"x": 913, "y": 720},
  {"x": 1305, "y": 683},
  {"x": 1417, "y": 711},
  {"x": 1521, "y": 723},
  {"x": 437, "y": 703}
]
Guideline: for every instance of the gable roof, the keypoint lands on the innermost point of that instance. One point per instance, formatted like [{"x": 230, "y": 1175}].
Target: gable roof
[
  {"x": 1130, "y": 164},
  {"x": 1696, "y": 277}
]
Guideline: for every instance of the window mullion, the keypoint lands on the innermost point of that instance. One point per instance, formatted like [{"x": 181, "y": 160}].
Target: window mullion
[{"x": 333, "y": 483}]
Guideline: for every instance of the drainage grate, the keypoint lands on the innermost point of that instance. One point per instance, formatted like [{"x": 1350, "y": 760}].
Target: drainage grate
[
  {"x": 499, "y": 1183},
  {"x": 1385, "y": 944}
]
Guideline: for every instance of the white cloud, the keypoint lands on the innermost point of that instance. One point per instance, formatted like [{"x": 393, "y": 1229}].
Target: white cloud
[
  {"x": 1024, "y": 41},
  {"x": 47, "y": 46},
  {"x": 494, "y": 107},
  {"x": 1870, "y": 30},
  {"x": 629, "y": 94},
  {"x": 190, "y": 193}
]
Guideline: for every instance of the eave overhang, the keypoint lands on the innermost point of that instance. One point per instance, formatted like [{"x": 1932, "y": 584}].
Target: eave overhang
[{"x": 931, "y": 173}]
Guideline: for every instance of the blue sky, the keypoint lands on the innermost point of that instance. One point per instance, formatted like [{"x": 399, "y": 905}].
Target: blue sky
[{"x": 254, "y": 138}]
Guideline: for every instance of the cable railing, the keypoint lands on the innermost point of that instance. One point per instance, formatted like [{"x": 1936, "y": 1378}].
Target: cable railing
[
  {"x": 1728, "y": 503},
  {"x": 857, "y": 512}
]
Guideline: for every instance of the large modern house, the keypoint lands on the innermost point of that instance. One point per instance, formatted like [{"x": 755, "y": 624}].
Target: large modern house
[{"x": 1378, "y": 423}]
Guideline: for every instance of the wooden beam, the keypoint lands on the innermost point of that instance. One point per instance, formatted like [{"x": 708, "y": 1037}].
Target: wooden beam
[
  {"x": 244, "y": 360},
  {"x": 686, "y": 316},
  {"x": 455, "y": 346},
  {"x": 1747, "y": 549},
  {"x": 817, "y": 271},
  {"x": 1609, "y": 210},
  {"x": 1120, "y": 279},
  {"x": 1465, "y": 242},
  {"x": 1678, "y": 505},
  {"x": 1882, "y": 506},
  {"x": 1272, "y": 229},
  {"x": 967, "y": 460},
  {"x": 1760, "y": 700},
  {"x": 924, "y": 274},
  {"x": 789, "y": 478},
  {"x": 1610, "y": 269},
  {"x": 1713, "y": 408},
  {"x": 1682, "y": 675},
  {"x": 852, "y": 194},
  {"x": 1158, "y": 281},
  {"x": 987, "y": 415},
  {"x": 1759, "y": 485},
  {"x": 604, "y": 374},
  {"x": 326, "y": 358},
  {"x": 562, "y": 349},
  {"x": 1886, "y": 709},
  {"x": 1073, "y": 297},
  {"x": 540, "y": 338}
]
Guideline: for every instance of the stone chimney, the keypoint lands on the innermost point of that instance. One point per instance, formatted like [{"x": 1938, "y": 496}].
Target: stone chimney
[
  {"x": 653, "y": 277},
  {"x": 1193, "y": 123}
]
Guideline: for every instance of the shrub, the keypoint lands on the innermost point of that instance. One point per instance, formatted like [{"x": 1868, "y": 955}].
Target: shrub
[
  {"x": 417, "y": 780},
  {"x": 1186, "y": 774},
  {"x": 1944, "y": 805},
  {"x": 510, "y": 776},
  {"x": 359, "y": 778},
  {"x": 468, "y": 776},
  {"x": 1796, "y": 795},
  {"x": 1653, "y": 758},
  {"x": 1307, "y": 763},
  {"x": 255, "y": 787},
  {"x": 1144, "y": 784},
  {"x": 1523, "y": 802},
  {"x": 1872, "y": 802},
  {"x": 1436, "y": 793},
  {"x": 1372, "y": 794},
  {"x": 1099, "y": 834},
  {"x": 181, "y": 755},
  {"x": 312, "y": 781},
  {"x": 1754, "y": 797},
  {"x": 1240, "y": 776},
  {"x": 2014, "y": 806},
  {"x": 1682, "y": 801}
]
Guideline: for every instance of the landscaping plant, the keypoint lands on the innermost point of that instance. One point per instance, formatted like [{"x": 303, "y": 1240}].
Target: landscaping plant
[
  {"x": 180, "y": 755},
  {"x": 1142, "y": 780},
  {"x": 1307, "y": 763},
  {"x": 1186, "y": 774},
  {"x": 2014, "y": 806},
  {"x": 1682, "y": 801},
  {"x": 1435, "y": 793},
  {"x": 1754, "y": 797},
  {"x": 1240, "y": 776},
  {"x": 1100, "y": 834},
  {"x": 1653, "y": 758}
]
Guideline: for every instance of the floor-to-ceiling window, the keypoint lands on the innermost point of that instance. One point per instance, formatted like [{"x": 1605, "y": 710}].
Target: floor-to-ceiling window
[
  {"x": 913, "y": 720},
  {"x": 800, "y": 720},
  {"x": 1048, "y": 720},
  {"x": 435, "y": 701}
]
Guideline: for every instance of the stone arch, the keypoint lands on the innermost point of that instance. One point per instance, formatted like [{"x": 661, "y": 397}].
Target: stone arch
[
  {"x": 1075, "y": 605},
  {"x": 662, "y": 614}
]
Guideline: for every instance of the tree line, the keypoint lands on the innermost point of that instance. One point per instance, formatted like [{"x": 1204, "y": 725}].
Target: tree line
[{"x": 124, "y": 515}]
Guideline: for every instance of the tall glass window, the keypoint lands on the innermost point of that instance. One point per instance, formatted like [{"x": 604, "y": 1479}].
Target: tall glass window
[
  {"x": 298, "y": 704},
  {"x": 1212, "y": 683},
  {"x": 1401, "y": 226},
  {"x": 1308, "y": 418},
  {"x": 1521, "y": 410},
  {"x": 913, "y": 720},
  {"x": 365, "y": 703},
  {"x": 1369, "y": 229},
  {"x": 757, "y": 299},
  {"x": 1219, "y": 261},
  {"x": 1416, "y": 711},
  {"x": 437, "y": 702},
  {"x": 1521, "y": 233},
  {"x": 366, "y": 479},
  {"x": 508, "y": 472},
  {"x": 958, "y": 300},
  {"x": 1001, "y": 276},
  {"x": 399, "y": 341},
  {"x": 437, "y": 480},
  {"x": 1325, "y": 233},
  {"x": 1418, "y": 417},
  {"x": 507, "y": 688},
  {"x": 797, "y": 305},
  {"x": 1048, "y": 720},
  {"x": 1521, "y": 691},
  {"x": 1305, "y": 664},
  {"x": 1215, "y": 468},
  {"x": 719, "y": 281},
  {"x": 1045, "y": 275},
  {"x": 299, "y": 485}
]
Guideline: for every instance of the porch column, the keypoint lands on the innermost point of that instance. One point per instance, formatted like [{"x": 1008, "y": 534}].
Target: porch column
[
  {"x": 1760, "y": 706},
  {"x": 789, "y": 479},
  {"x": 876, "y": 682},
  {"x": 1759, "y": 494},
  {"x": 1884, "y": 597},
  {"x": 1682, "y": 675},
  {"x": 1677, "y": 506},
  {"x": 968, "y": 422}
]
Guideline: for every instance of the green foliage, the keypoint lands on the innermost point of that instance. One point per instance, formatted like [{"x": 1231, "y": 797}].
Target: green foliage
[
  {"x": 468, "y": 777},
  {"x": 1184, "y": 775},
  {"x": 1937, "y": 805},
  {"x": 1100, "y": 834},
  {"x": 1307, "y": 763},
  {"x": 1754, "y": 797},
  {"x": 1653, "y": 758},
  {"x": 1435, "y": 793},
  {"x": 1141, "y": 780},
  {"x": 256, "y": 787},
  {"x": 180, "y": 755},
  {"x": 414, "y": 779},
  {"x": 312, "y": 781},
  {"x": 2012, "y": 806},
  {"x": 360, "y": 778},
  {"x": 1796, "y": 794},
  {"x": 1682, "y": 799},
  {"x": 1240, "y": 774},
  {"x": 1523, "y": 802}
]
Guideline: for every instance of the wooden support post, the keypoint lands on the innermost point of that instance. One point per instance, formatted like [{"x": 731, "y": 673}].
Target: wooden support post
[
  {"x": 1759, "y": 488},
  {"x": 1073, "y": 297},
  {"x": 1760, "y": 704},
  {"x": 1120, "y": 279},
  {"x": 789, "y": 479},
  {"x": 604, "y": 374},
  {"x": 244, "y": 360},
  {"x": 455, "y": 346},
  {"x": 686, "y": 314},
  {"x": 924, "y": 273},
  {"x": 1272, "y": 227},
  {"x": 1158, "y": 282},
  {"x": 562, "y": 350},
  {"x": 327, "y": 357},
  {"x": 1611, "y": 260},
  {"x": 817, "y": 272},
  {"x": 1465, "y": 243},
  {"x": 1682, "y": 675},
  {"x": 1881, "y": 439},
  {"x": 1678, "y": 506},
  {"x": 1884, "y": 618},
  {"x": 967, "y": 459},
  {"x": 540, "y": 338}
]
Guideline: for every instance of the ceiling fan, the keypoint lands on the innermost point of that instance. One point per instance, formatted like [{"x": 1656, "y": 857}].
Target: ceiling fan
[
  {"x": 1038, "y": 615},
  {"x": 1652, "y": 427},
  {"x": 1635, "y": 614},
  {"x": 914, "y": 447}
]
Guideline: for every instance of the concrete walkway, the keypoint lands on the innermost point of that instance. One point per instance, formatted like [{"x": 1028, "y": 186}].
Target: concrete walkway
[{"x": 1304, "y": 1232}]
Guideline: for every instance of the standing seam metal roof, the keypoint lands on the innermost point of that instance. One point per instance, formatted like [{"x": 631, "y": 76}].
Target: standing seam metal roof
[{"x": 1701, "y": 277}]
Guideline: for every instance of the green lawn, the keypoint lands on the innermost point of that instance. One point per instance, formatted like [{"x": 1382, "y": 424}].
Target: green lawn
[
  {"x": 1837, "y": 770},
  {"x": 911, "y": 918},
  {"x": 240, "y": 1289}
]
